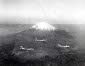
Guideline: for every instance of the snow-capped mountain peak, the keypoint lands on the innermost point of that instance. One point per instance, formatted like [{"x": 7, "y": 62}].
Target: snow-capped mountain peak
[{"x": 43, "y": 26}]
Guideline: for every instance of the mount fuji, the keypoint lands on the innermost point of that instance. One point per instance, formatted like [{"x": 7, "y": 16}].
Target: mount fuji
[{"x": 41, "y": 42}]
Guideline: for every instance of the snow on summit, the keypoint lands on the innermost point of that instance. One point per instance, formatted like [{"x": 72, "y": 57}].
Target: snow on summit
[{"x": 43, "y": 26}]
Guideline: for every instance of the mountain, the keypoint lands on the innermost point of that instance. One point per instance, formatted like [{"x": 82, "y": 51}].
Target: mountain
[
  {"x": 43, "y": 26},
  {"x": 41, "y": 42}
]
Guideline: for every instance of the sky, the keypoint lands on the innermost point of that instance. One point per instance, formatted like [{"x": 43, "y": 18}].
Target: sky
[{"x": 32, "y": 11}]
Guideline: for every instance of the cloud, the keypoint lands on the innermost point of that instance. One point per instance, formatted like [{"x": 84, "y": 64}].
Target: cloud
[{"x": 61, "y": 10}]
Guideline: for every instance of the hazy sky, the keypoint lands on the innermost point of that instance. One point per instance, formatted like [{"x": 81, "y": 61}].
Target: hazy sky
[{"x": 66, "y": 11}]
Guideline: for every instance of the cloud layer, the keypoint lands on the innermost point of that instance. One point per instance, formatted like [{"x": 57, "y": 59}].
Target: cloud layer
[{"x": 72, "y": 11}]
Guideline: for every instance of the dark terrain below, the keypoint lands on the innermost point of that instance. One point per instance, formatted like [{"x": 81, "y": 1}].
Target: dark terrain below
[{"x": 76, "y": 59}]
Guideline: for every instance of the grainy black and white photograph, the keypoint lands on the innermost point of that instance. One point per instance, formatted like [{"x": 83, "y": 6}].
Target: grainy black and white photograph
[{"x": 42, "y": 32}]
